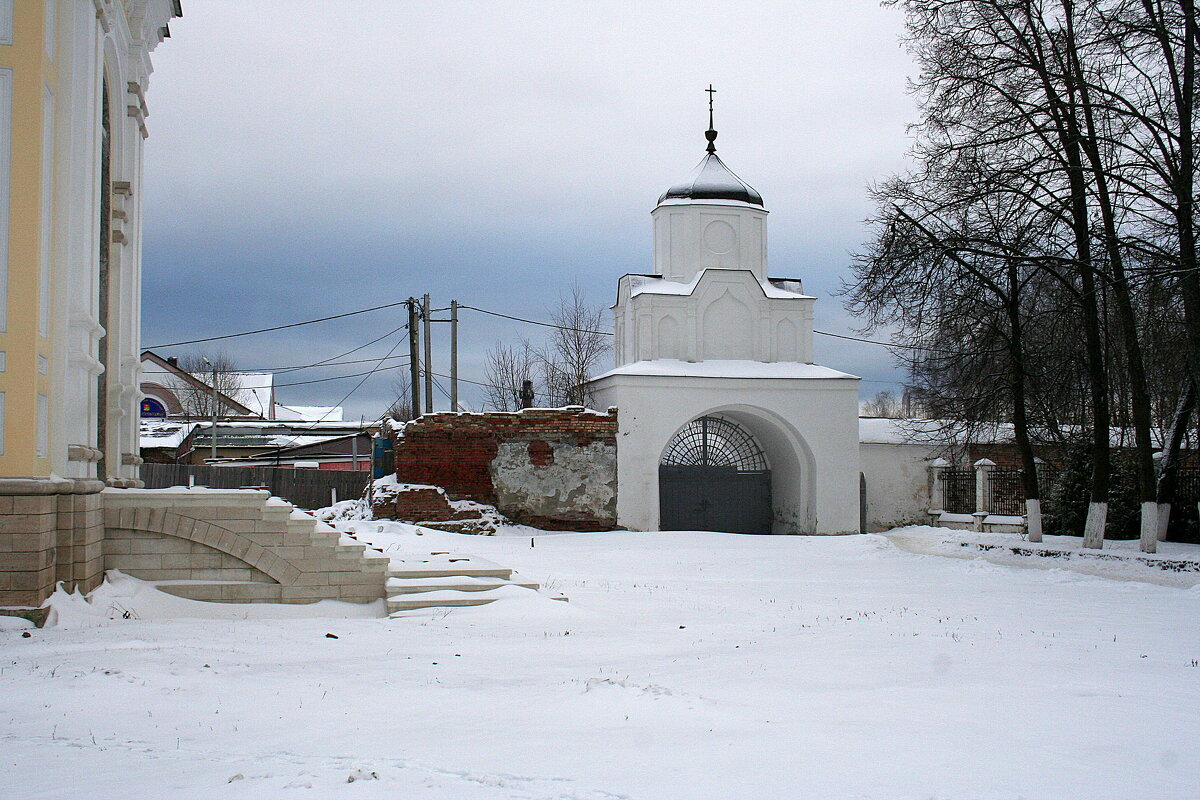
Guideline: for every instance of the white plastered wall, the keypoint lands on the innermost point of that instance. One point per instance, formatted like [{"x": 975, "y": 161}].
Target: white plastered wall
[
  {"x": 118, "y": 37},
  {"x": 726, "y": 316},
  {"x": 897, "y": 483},
  {"x": 807, "y": 428},
  {"x": 690, "y": 237}
]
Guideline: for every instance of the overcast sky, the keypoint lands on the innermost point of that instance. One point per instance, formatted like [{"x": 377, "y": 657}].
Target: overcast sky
[{"x": 309, "y": 157}]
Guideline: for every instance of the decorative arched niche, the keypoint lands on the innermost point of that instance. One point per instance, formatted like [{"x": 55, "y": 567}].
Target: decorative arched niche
[
  {"x": 727, "y": 330},
  {"x": 786, "y": 344},
  {"x": 669, "y": 344}
]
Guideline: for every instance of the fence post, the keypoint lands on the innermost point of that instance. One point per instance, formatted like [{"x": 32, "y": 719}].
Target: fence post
[
  {"x": 983, "y": 490},
  {"x": 937, "y": 490},
  {"x": 333, "y": 495}
]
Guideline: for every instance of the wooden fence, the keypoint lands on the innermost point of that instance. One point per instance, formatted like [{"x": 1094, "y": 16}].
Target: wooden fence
[{"x": 306, "y": 488}]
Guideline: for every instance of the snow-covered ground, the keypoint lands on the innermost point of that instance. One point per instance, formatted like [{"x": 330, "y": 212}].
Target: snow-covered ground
[{"x": 686, "y": 665}]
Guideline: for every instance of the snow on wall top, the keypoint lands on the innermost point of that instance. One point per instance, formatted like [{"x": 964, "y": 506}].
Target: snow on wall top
[
  {"x": 774, "y": 288},
  {"x": 671, "y": 367},
  {"x": 878, "y": 430}
]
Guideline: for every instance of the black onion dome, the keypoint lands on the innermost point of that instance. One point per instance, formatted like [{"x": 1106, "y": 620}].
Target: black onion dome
[{"x": 712, "y": 180}]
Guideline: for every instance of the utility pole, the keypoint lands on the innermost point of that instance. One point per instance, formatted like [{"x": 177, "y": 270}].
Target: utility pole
[
  {"x": 428, "y": 356},
  {"x": 213, "y": 432},
  {"x": 454, "y": 355},
  {"x": 414, "y": 361},
  {"x": 354, "y": 443}
]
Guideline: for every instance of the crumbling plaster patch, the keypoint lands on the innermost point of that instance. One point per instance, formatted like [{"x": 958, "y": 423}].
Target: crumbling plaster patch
[{"x": 575, "y": 481}]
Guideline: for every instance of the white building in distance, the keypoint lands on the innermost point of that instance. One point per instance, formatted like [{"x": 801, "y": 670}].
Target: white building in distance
[{"x": 725, "y": 422}]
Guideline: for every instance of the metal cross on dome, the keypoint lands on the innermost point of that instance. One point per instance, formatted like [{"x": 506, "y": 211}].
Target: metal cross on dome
[{"x": 711, "y": 133}]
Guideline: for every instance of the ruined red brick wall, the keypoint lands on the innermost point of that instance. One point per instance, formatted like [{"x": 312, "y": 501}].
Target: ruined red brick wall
[
  {"x": 455, "y": 452},
  {"x": 422, "y": 505}
]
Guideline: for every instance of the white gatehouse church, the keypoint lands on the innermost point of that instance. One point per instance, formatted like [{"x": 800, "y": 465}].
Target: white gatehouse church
[{"x": 725, "y": 423}]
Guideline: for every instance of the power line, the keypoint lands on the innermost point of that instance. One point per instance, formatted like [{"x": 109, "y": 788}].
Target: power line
[
  {"x": 608, "y": 333},
  {"x": 279, "y": 327},
  {"x": 482, "y": 311},
  {"x": 346, "y": 396},
  {"x": 340, "y": 377},
  {"x": 886, "y": 344},
  {"x": 536, "y": 322},
  {"x": 282, "y": 370},
  {"x": 350, "y": 351}
]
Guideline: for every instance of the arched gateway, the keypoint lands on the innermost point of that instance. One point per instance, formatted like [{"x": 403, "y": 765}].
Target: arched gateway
[{"x": 714, "y": 476}]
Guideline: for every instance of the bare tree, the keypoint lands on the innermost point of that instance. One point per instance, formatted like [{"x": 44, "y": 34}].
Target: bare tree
[
  {"x": 884, "y": 404},
  {"x": 400, "y": 409},
  {"x": 508, "y": 367},
  {"x": 1072, "y": 123},
  {"x": 950, "y": 270},
  {"x": 197, "y": 400},
  {"x": 575, "y": 350}
]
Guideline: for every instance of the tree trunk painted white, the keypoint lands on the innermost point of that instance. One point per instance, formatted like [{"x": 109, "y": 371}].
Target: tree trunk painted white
[
  {"x": 1093, "y": 529},
  {"x": 1149, "y": 531},
  {"x": 1033, "y": 520},
  {"x": 1164, "y": 520}
]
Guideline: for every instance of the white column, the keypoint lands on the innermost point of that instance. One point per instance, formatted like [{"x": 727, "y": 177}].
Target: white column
[
  {"x": 983, "y": 490},
  {"x": 937, "y": 489}
]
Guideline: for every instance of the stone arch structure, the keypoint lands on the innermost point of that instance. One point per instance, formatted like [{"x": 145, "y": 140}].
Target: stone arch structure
[
  {"x": 235, "y": 545},
  {"x": 163, "y": 522},
  {"x": 792, "y": 466},
  {"x": 163, "y": 395}
]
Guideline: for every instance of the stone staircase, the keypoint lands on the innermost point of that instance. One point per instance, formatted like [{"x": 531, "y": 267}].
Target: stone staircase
[
  {"x": 236, "y": 545},
  {"x": 244, "y": 546},
  {"x": 446, "y": 580}
]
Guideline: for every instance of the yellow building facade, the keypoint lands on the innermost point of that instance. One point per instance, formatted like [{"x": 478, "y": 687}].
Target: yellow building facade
[{"x": 73, "y": 76}]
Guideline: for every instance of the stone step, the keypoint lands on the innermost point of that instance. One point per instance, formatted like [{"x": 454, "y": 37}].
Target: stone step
[
  {"x": 406, "y": 598},
  {"x": 441, "y": 565},
  {"x": 222, "y": 591},
  {"x": 457, "y": 583},
  {"x": 410, "y": 602},
  {"x": 417, "y": 571}
]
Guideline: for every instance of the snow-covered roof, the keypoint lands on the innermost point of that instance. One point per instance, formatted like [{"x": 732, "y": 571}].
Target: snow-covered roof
[
  {"x": 272, "y": 435},
  {"x": 255, "y": 391},
  {"x": 163, "y": 432},
  {"x": 775, "y": 288},
  {"x": 308, "y": 413},
  {"x": 267, "y": 424},
  {"x": 672, "y": 367},
  {"x": 879, "y": 430}
]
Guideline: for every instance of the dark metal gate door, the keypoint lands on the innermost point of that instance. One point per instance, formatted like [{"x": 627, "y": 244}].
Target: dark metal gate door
[{"x": 714, "y": 477}]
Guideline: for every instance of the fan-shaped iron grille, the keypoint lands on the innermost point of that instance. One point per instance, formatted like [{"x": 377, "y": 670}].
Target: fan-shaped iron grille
[{"x": 715, "y": 442}]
